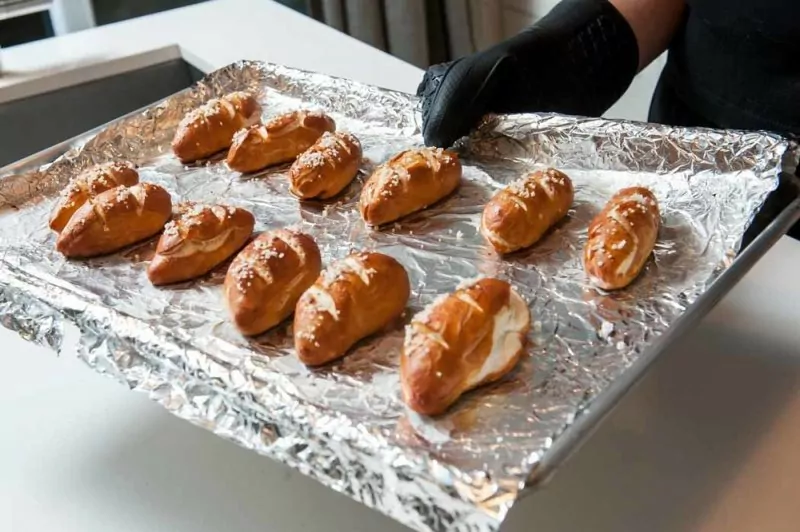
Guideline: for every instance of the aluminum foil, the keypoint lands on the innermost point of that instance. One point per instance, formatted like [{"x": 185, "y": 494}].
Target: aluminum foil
[{"x": 345, "y": 424}]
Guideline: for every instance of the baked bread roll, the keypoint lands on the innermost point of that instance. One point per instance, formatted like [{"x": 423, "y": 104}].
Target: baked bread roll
[
  {"x": 89, "y": 184},
  {"x": 409, "y": 182},
  {"x": 518, "y": 216},
  {"x": 354, "y": 298},
  {"x": 115, "y": 219},
  {"x": 462, "y": 340},
  {"x": 267, "y": 278},
  {"x": 621, "y": 238},
  {"x": 278, "y": 141},
  {"x": 199, "y": 238},
  {"x": 210, "y": 128},
  {"x": 327, "y": 167}
]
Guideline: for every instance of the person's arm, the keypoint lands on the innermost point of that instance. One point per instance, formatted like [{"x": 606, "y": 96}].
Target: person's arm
[
  {"x": 578, "y": 59},
  {"x": 653, "y": 22}
]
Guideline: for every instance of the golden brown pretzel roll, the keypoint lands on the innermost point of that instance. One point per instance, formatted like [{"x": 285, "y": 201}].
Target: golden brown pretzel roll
[
  {"x": 114, "y": 219},
  {"x": 621, "y": 238},
  {"x": 352, "y": 299},
  {"x": 267, "y": 278},
  {"x": 278, "y": 141},
  {"x": 327, "y": 167},
  {"x": 409, "y": 182},
  {"x": 210, "y": 128},
  {"x": 199, "y": 238},
  {"x": 89, "y": 184},
  {"x": 462, "y": 340},
  {"x": 518, "y": 216}
]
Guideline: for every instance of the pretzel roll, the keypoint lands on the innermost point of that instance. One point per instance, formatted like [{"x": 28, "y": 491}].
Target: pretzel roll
[
  {"x": 518, "y": 216},
  {"x": 267, "y": 278},
  {"x": 462, "y": 340},
  {"x": 198, "y": 239},
  {"x": 210, "y": 128},
  {"x": 327, "y": 167},
  {"x": 89, "y": 184},
  {"x": 621, "y": 238},
  {"x": 278, "y": 141},
  {"x": 409, "y": 182},
  {"x": 352, "y": 299},
  {"x": 115, "y": 219}
]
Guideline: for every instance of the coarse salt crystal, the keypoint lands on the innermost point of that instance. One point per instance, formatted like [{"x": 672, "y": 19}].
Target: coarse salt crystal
[
  {"x": 328, "y": 141},
  {"x": 312, "y": 159}
]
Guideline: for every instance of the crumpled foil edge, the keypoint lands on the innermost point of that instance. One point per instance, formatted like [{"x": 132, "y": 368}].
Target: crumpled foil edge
[
  {"x": 223, "y": 396},
  {"x": 138, "y": 362}
]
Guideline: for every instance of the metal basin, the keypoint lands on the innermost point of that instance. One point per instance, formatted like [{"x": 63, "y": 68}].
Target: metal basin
[{"x": 32, "y": 124}]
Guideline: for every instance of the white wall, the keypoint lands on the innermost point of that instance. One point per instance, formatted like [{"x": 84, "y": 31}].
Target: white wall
[
  {"x": 517, "y": 14},
  {"x": 531, "y": 8}
]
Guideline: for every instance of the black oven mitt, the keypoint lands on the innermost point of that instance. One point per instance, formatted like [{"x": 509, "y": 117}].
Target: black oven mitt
[{"x": 579, "y": 59}]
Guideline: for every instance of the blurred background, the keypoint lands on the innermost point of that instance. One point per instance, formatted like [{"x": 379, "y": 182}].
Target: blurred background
[{"x": 422, "y": 32}]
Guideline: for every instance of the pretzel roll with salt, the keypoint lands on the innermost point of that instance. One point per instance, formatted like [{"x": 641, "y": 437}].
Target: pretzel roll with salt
[
  {"x": 621, "y": 238},
  {"x": 409, "y": 182},
  {"x": 267, "y": 278},
  {"x": 90, "y": 184},
  {"x": 199, "y": 238},
  {"x": 210, "y": 128},
  {"x": 327, "y": 167},
  {"x": 352, "y": 299},
  {"x": 114, "y": 219},
  {"x": 463, "y": 340},
  {"x": 520, "y": 214},
  {"x": 280, "y": 140}
]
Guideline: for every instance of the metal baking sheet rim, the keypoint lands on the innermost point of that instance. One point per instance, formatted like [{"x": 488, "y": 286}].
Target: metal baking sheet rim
[
  {"x": 55, "y": 333},
  {"x": 576, "y": 434},
  {"x": 56, "y": 329}
]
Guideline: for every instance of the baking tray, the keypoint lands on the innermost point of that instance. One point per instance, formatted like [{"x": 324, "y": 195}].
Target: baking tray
[{"x": 344, "y": 424}]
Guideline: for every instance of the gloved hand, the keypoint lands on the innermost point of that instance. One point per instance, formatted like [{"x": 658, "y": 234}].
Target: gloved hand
[{"x": 579, "y": 59}]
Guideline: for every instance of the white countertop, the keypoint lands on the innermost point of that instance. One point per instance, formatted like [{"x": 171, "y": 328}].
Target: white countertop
[
  {"x": 209, "y": 35},
  {"x": 707, "y": 442}
]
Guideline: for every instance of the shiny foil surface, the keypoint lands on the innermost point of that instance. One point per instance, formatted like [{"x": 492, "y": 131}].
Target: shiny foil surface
[{"x": 345, "y": 424}]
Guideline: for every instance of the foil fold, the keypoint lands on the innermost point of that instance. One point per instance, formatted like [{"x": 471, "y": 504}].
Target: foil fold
[{"x": 345, "y": 424}]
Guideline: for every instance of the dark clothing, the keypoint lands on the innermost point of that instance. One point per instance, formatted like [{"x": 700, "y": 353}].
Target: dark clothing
[
  {"x": 734, "y": 64},
  {"x": 668, "y": 108}
]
